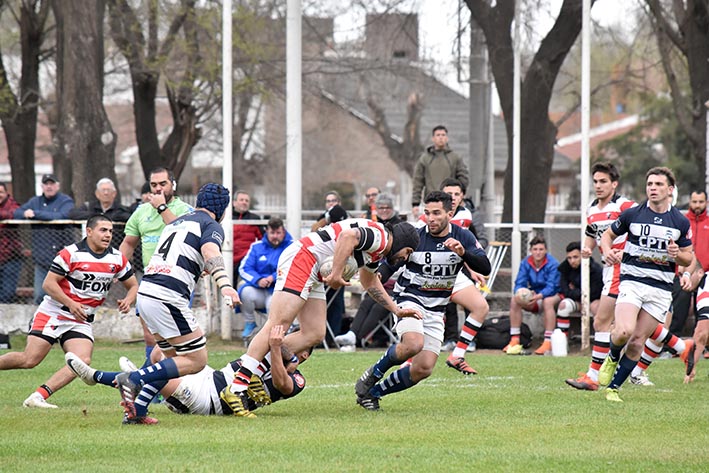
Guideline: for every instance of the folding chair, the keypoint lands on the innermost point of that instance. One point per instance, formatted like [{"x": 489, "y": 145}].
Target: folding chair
[
  {"x": 386, "y": 324},
  {"x": 496, "y": 251}
]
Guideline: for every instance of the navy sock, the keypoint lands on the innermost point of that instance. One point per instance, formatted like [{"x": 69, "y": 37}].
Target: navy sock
[
  {"x": 161, "y": 371},
  {"x": 106, "y": 377},
  {"x": 614, "y": 352},
  {"x": 148, "y": 351},
  {"x": 146, "y": 395},
  {"x": 625, "y": 367},
  {"x": 387, "y": 361},
  {"x": 395, "y": 382}
]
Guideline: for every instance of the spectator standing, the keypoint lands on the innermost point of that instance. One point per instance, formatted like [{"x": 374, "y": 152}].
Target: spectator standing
[
  {"x": 10, "y": 248},
  {"x": 371, "y": 196},
  {"x": 147, "y": 222},
  {"x": 258, "y": 271},
  {"x": 244, "y": 235},
  {"x": 105, "y": 204},
  {"x": 538, "y": 274},
  {"x": 434, "y": 165},
  {"x": 47, "y": 240}
]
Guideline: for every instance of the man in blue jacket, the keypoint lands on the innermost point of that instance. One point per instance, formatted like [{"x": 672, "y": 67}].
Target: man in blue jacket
[
  {"x": 538, "y": 280},
  {"x": 47, "y": 240},
  {"x": 258, "y": 270}
]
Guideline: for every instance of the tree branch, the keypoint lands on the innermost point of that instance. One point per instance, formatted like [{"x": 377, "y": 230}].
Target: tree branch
[{"x": 662, "y": 25}]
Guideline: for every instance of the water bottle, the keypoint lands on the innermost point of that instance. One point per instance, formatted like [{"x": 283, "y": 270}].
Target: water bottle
[{"x": 559, "y": 344}]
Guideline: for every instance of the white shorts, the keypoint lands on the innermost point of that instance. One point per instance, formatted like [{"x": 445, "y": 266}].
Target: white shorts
[
  {"x": 461, "y": 282},
  {"x": 432, "y": 326},
  {"x": 197, "y": 393},
  {"x": 168, "y": 319},
  {"x": 299, "y": 273},
  {"x": 54, "y": 327},
  {"x": 652, "y": 300}
]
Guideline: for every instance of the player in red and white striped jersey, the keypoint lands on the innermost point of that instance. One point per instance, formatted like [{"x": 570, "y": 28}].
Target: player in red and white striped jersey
[
  {"x": 299, "y": 287},
  {"x": 77, "y": 283}
]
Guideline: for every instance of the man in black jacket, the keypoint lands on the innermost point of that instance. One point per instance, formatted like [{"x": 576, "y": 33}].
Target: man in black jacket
[
  {"x": 570, "y": 283},
  {"x": 105, "y": 204}
]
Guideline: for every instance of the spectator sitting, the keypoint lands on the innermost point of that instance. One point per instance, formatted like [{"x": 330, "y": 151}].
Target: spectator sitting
[
  {"x": 332, "y": 200},
  {"x": 144, "y": 197},
  {"x": 538, "y": 276},
  {"x": 10, "y": 248},
  {"x": 258, "y": 272},
  {"x": 244, "y": 235},
  {"x": 570, "y": 285},
  {"x": 369, "y": 312},
  {"x": 47, "y": 240},
  {"x": 105, "y": 204}
]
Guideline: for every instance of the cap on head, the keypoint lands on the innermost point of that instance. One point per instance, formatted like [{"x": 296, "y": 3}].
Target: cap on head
[
  {"x": 213, "y": 197},
  {"x": 405, "y": 236},
  {"x": 49, "y": 177}
]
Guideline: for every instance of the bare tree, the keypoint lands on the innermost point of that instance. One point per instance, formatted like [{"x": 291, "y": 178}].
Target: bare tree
[
  {"x": 538, "y": 133},
  {"x": 18, "y": 112},
  {"x": 85, "y": 141},
  {"x": 682, "y": 32}
]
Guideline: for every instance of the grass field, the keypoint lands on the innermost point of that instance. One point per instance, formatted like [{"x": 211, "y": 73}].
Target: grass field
[{"x": 516, "y": 415}]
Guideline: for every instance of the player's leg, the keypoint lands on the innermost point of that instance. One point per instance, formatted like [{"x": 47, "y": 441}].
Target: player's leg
[
  {"x": 700, "y": 337},
  {"x": 478, "y": 308},
  {"x": 626, "y": 313},
  {"x": 515, "y": 346},
  {"x": 35, "y": 351},
  {"x": 312, "y": 318}
]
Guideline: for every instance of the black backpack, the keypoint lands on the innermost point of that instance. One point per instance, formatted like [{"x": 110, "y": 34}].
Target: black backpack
[{"x": 495, "y": 334}]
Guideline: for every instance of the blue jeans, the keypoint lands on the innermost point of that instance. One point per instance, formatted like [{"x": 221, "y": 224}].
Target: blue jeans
[
  {"x": 40, "y": 272},
  {"x": 9, "y": 274}
]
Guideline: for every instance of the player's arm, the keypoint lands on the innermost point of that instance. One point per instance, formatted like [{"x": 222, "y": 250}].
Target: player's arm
[
  {"x": 128, "y": 246},
  {"x": 685, "y": 255},
  {"x": 373, "y": 285},
  {"x": 51, "y": 287},
  {"x": 344, "y": 246},
  {"x": 611, "y": 256},
  {"x": 214, "y": 265},
  {"x": 281, "y": 379},
  {"x": 589, "y": 243},
  {"x": 131, "y": 285}
]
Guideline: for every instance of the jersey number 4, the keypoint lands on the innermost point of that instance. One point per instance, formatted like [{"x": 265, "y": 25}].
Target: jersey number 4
[{"x": 165, "y": 247}]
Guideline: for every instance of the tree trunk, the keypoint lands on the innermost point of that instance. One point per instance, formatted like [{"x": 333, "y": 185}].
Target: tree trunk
[
  {"x": 19, "y": 117},
  {"x": 85, "y": 139},
  {"x": 145, "y": 87},
  {"x": 538, "y": 133}
]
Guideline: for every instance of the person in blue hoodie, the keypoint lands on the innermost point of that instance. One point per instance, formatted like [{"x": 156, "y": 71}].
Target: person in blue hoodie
[
  {"x": 539, "y": 275},
  {"x": 47, "y": 240},
  {"x": 258, "y": 272}
]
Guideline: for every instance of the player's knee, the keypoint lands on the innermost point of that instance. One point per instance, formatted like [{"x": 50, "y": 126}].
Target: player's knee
[
  {"x": 419, "y": 372},
  {"x": 313, "y": 337},
  {"x": 566, "y": 308}
]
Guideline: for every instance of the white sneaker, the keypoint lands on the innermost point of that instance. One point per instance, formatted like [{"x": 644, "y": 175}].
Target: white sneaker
[
  {"x": 641, "y": 380},
  {"x": 83, "y": 371},
  {"x": 472, "y": 347},
  {"x": 36, "y": 400},
  {"x": 126, "y": 365},
  {"x": 348, "y": 338},
  {"x": 348, "y": 348}
]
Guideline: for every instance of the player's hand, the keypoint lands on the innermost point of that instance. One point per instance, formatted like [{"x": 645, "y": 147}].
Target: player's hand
[
  {"x": 685, "y": 282},
  {"x": 335, "y": 282},
  {"x": 29, "y": 213},
  {"x": 77, "y": 310},
  {"x": 586, "y": 252},
  {"x": 455, "y": 246},
  {"x": 275, "y": 338},
  {"x": 672, "y": 249},
  {"x": 614, "y": 256},
  {"x": 407, "y": 312},
  {"x": 264, "y": 282},
  {"x": 690, "y": 377},
  {"x": 231, "y": 297},
  {"x": 124, "y": 306},
  {"x": 478, "y": 278}
]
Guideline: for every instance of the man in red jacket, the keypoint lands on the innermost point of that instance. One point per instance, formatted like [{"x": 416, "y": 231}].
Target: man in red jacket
[
  {"x": 10, "y": 248},
  {"x": 244, "y": 235},
  {"x": 699, "y": 222}
]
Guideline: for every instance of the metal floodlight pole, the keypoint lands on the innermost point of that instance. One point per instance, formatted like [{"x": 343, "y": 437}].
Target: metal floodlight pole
[
  {"x": 227, "y": 117},
  {"x": 585, "y": 161},
  {"x": 516, "y": 130},
  {"x": 294, "y": 138}
]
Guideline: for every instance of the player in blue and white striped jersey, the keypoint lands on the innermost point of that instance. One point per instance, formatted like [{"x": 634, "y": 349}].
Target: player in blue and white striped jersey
[
  {"x": 659, "y": 238},
  {"x": 425, "y": 285},
  {"x": 188, "y": 246}
]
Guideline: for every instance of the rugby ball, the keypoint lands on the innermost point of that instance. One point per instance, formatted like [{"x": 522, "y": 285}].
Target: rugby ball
[
  {"x": 347, "y": 273},
  {"x": 524, "y": 296}
]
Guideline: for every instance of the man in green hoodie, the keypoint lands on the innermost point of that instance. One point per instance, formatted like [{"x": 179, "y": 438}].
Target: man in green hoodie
[{"x": 434, "y": 165}]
